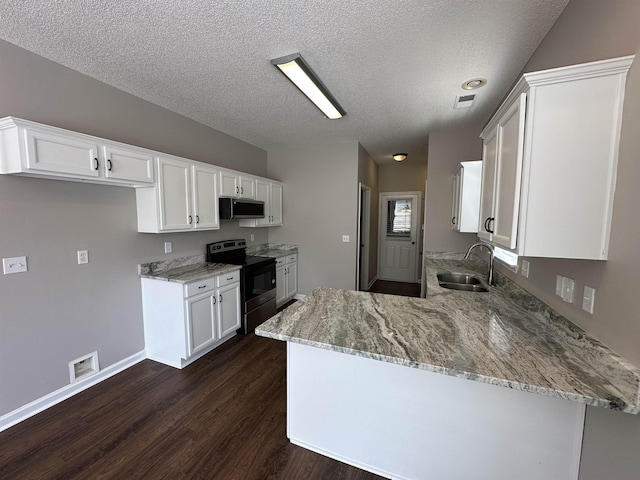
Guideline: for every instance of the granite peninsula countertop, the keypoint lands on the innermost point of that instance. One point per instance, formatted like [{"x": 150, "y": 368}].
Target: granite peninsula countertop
[{"x": 505, "y": 337}]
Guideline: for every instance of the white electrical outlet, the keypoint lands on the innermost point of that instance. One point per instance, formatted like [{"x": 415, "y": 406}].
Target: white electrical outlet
[
  {"x": 14, "y": 265},
  {"x": 253, "y": 237},
  {"x": 168, "y": 247},
  {"x": 588, "y": 299},
  {"x": 83, "y": 257},
  {"x": 525, "y": 269},
  {"x": 559, "y": 279},
  {"x": 345, "y": 238},
  {"x": 567, "y": 289}
]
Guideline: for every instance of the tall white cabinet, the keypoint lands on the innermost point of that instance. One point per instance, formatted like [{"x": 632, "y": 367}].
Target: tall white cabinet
[{"x": 549, "y": 162}]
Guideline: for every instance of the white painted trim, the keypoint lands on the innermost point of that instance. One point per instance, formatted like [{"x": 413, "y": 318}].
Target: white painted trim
[
  {"x": 372, "y": 282},
  {"x": 299, "y": 296},
  {"x": 30, "y": 409}
]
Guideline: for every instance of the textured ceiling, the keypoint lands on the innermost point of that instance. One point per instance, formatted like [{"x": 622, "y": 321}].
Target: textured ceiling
[{"x": 395, "y": 66}]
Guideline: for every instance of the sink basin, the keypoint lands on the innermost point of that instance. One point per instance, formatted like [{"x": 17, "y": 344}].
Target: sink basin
[
  {"x": 460, "y": 281},
  {"x": 467, "y": 287},
  {"x": 458, "y": 278}
]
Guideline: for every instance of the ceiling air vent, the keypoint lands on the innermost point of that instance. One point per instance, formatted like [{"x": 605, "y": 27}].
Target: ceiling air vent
[{"x": 464, "y": 101}]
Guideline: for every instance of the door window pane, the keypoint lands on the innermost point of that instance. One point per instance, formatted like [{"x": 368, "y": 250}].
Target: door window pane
[{"x": 399, "y": 218}]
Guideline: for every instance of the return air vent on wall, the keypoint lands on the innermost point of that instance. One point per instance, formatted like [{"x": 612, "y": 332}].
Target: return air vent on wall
[{"x": 464, "y": 101}]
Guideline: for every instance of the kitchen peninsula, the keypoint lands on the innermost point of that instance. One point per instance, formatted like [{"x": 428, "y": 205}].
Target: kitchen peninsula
[{"x": 415, "y": 388}]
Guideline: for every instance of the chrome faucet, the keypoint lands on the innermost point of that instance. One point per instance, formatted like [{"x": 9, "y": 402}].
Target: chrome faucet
[{"x": 490, "y": 248}]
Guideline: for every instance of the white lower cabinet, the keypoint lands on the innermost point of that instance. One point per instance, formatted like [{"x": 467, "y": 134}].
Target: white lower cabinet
[
  {"x": 182, "y": 322},
  {"x": 286, "y": 278}
]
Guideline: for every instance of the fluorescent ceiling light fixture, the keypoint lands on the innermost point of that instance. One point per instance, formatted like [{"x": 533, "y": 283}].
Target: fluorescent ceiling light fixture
[
  {"x": 301, "y": 75},
  {"x": 398, "y": 157}
]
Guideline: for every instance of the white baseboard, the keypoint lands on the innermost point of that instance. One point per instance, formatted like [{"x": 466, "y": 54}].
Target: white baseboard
[
  {"x": 299, "y": 296},
  {"x": 30, "y": 409}
]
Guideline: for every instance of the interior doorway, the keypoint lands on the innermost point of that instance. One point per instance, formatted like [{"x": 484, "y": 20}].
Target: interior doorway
[
  {"x": 364, "y": 221},
  {"x": 398, "y": 236}
]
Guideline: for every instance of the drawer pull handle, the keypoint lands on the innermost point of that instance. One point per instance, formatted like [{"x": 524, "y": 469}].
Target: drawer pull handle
[
  {"x": 203, "y": 286},
  {"x": 229, "y": 278}
]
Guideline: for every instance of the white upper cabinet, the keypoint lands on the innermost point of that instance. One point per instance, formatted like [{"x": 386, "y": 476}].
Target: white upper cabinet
[
  {"x": 550, "y": 158},
  {"x": 127, "y": 164},
  {"x": 184, "y": 199},
  {"x": 466, "y": 197},
  {"x": 43, "y": 151},
  {"x": 269, "y": 192},
  {"x": 236, "y": 185}
]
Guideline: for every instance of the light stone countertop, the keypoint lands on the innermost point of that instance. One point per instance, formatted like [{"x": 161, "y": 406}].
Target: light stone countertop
[
  {"x": 272, "y": 250},
  {"x": 505, "y": 337},
  {"x": 184, "y": 269}
]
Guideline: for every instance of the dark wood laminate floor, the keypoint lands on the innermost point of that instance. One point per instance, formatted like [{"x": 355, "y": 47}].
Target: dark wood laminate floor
[
  {"x": 223, "y": 417},
  {"x": 396, "y": 288}
]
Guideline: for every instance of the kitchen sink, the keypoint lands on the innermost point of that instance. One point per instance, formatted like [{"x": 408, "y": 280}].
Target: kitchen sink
[{"x": 460, "y": 281}]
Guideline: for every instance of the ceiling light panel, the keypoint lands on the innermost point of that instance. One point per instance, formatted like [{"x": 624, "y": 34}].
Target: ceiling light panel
[{"x": 296, "y": 69}]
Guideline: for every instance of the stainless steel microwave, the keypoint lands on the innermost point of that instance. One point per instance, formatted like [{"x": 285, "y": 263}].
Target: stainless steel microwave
[{"x": 240, "y": 208}]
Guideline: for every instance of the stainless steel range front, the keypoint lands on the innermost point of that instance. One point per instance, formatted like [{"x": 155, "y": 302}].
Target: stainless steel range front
[{"x": 257, "y": 280}]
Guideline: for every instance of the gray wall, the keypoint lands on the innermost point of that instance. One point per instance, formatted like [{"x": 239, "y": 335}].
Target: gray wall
[
  {"x": 320, "y": 205},
  {"x": 446, "y": 150},
  {"x": 368, "y": 174},
  {"x": 58, "y": 310},
  {"x": 590, "y": 30}
]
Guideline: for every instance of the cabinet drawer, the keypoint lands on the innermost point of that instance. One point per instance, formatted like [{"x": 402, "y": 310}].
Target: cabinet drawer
[
  {"x": 227, "y": 278},
  {"x": 292, "y": 258},
  {"x": 200, "y": 286}
]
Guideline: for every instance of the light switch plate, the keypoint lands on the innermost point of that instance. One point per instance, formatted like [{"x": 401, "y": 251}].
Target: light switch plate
[
  {"x": 588, "y": 299},
  {"x": 559, "y": 279},
  {"x": 168, "y": 247},
  {"x": 567, "y": 289},
  {"x": 14, "y": 265}
]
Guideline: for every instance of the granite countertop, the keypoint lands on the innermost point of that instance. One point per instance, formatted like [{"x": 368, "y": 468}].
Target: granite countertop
[
  {"x": 184, "y": 270},
  {"x": 273, "y": 250},
  {"x": 504, "y": 337}
]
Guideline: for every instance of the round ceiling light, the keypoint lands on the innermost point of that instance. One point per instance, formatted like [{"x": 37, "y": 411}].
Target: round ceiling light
[
  {"x": 474, "y": 83},
  {"x": 398, "y": 157}
]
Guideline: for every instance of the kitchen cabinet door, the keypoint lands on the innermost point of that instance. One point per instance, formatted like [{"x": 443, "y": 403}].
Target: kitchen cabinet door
[
  {"x": 506, "y": 194},
  {"x": 56, "y": 153},
  {"x": 127, "y": 164},
  {"x": 174, "y": 184},
  {"x": 205, "y": 197},
  {"x": 455, "y": 201},
  {"x": 228, "y": 309},
  {"x": 292, "y": 279},
  {"x": 489, "y": 153},
  {"x": 275, "y": 204},
  {"x": 201, "y": 322},
  {"x": 263, "y": 193},
  {"x": 281, "y": 285}
]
